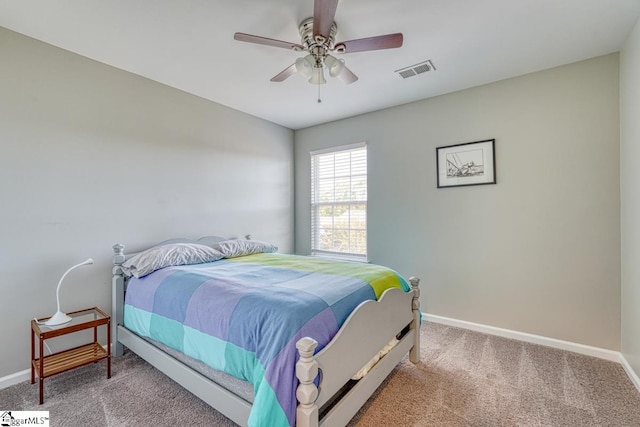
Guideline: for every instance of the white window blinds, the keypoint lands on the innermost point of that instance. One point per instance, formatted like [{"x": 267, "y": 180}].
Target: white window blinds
[{"x": 339, "y": 202}]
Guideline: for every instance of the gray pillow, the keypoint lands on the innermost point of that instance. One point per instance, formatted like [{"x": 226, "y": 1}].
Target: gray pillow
[
  {"x": 241, "y": 247},
  {"x": 153, "y": 259}
]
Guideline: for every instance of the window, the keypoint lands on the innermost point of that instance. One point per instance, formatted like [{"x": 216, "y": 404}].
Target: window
[{"x": 339, "y": 202}]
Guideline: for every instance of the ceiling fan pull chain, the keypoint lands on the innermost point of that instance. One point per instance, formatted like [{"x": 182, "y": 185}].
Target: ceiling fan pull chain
[{"x": 319, "y": 100}]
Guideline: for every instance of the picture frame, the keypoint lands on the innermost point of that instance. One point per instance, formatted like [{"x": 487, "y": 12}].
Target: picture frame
[{"x": 470, "y": 163}]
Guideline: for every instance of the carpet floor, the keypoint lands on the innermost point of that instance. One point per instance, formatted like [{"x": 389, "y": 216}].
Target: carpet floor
[{"x": 465, "y": 378}]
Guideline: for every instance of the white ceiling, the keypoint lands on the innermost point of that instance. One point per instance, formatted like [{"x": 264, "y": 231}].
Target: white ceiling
[{"x": 189, "y": 45}]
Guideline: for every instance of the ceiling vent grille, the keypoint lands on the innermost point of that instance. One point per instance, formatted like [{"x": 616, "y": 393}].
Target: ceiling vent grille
[{"x": 416, "y": 69}]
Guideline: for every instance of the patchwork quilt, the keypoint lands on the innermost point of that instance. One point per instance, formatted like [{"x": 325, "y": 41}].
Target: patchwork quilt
[{"x": 244, "y": 315}]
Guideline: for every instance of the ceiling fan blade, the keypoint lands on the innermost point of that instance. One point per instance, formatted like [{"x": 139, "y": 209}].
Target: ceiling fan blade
[
  {"x": 388, "y": 41},
  {"x": 249, "y": 38},
  {"x": 284, "y": 74},
  {"x": 346, "y": 76},
  {"x": 324, "y": 12}
]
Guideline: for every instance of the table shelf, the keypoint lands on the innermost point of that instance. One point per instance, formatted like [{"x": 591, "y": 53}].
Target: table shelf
[{"x": 70, "y": 359}]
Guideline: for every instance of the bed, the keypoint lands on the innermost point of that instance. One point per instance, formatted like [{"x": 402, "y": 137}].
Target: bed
[{"x": 345, "y": 327}]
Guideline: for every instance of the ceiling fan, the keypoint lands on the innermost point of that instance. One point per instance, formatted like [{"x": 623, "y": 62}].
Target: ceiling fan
[{"x": 318, "y": 40}]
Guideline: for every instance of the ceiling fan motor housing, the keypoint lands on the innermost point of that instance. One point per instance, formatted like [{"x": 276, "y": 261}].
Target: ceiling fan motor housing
[{"x": 317, "y": 44}]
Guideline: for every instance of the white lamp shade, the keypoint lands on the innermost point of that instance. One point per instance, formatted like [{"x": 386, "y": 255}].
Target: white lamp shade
[
  {"x": 334, "y": 65},
  {"x": 304, "y": 66},
  {"x": 318, "y": 76}
]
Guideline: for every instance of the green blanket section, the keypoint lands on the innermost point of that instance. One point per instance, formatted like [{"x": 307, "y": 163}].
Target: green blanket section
[{"x": 380, "y": 278}]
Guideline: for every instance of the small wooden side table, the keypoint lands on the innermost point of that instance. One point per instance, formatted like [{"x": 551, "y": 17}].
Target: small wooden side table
[{"x": 62, "y": 361}]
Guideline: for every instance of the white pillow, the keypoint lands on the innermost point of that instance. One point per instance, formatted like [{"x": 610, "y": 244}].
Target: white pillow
[
  {"x": 168, "y": 255},
  {"x": 241, "y": 247}
]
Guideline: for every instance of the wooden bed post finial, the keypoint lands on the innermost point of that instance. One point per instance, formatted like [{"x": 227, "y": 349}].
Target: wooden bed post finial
[{"x": 307, "y": 392}]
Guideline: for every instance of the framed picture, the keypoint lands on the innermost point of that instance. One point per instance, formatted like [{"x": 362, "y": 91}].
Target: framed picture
[{"x": 471, "y": 163}]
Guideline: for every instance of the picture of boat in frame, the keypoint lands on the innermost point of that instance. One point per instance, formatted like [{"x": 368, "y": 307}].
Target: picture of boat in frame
[{"x": 471, "y": 163}]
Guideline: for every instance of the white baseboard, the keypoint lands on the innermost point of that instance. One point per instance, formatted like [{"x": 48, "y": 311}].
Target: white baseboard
[
  {"x": 602, "y": 353},
  {"x": 630, "y": 372},
  {"x": 16, "y": 378}
]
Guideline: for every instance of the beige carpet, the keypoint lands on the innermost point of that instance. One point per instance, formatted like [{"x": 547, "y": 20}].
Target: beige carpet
[
  {"x": 465, "y": 379},
  {"x": 472, "y": 379}
]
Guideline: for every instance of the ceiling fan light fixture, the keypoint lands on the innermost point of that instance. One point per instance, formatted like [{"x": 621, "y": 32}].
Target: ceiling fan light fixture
[
  {"x": 317, "y": 39},
  {"x": 305, "y": 66},
  {"x": 317, "y": 78},
  {"x": 334, "y": 65}
]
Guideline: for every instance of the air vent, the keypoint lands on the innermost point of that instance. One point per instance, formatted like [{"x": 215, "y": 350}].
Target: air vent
[{"x": 416, "y": 69}]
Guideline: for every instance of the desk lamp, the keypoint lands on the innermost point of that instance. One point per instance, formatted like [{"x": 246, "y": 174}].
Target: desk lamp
[{"x": 59, "y": 318}]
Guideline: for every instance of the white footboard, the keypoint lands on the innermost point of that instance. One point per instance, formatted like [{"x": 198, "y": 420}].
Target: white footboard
[{"x": 369, "y": 328}]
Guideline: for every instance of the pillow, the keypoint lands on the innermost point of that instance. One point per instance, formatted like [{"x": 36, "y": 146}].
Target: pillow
[
  {"x": 167, "y": 255},
  {"x": 240, "y": 247}
]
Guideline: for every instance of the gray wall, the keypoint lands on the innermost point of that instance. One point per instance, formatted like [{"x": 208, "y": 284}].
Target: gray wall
[
  {"x": 630, "y": 196},
  {"x": 540, "y": 251},
  {"x": 92, "y": 156}
]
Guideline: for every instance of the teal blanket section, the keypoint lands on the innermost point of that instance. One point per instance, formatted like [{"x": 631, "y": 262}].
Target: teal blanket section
[
  {"x": 208, "y": 349},
  {"x": 168, "y": 331},
  {"x": 266, "y": 409},
  {"x": 137, "y": 320},
  {"x": 241, "y": 364}
]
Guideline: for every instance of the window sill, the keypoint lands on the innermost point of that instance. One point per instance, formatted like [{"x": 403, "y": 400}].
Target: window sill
[{"x": 338, "y": 257}]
